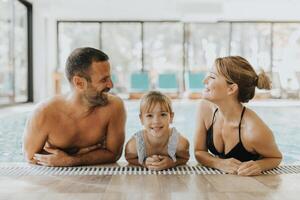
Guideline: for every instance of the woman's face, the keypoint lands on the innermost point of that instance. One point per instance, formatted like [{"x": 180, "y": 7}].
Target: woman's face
[{"x": 216, "y": 87}]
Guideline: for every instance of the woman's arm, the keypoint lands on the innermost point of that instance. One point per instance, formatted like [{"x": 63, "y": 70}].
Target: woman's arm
[
  {"x": 205, "y": 110},
  {"x": 261, "y": 139}
]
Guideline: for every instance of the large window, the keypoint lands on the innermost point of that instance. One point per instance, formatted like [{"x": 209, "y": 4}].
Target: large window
[
  {"x": 253, "y": 41},
  {"x": 20, "y": 53},
  {"x": 163, "y": 46},
  {"x": 163, "y": 49},
  {"x": 286, "y": 53},
  {"x": 205, "y": 42},
  {"x": 14, "y": 52},
  {"x": 6, "y": 70},
  {"x": 177, "y": 47},
  {"x": 122, "y": 42},
  {"x": 74, "y": 35}
]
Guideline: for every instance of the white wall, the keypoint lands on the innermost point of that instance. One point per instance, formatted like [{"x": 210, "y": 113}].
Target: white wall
[{"x": 47, "y": 12}]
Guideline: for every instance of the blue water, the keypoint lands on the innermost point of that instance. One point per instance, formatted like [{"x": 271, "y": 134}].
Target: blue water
[{"x": 283, "y": 120}]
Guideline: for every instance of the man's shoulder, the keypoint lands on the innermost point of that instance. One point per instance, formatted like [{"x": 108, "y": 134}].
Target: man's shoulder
[
  {"x": 115, "y": 101},
  {"x": 49, "y": 105}
]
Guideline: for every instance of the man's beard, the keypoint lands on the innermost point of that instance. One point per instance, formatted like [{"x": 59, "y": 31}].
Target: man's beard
[{"x": 95, "y": 98}]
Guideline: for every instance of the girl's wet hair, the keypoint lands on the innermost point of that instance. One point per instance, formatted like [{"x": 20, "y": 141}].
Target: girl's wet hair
[
  {"x": 150, "y": 99},
  {"x": 238, "y": 70}
]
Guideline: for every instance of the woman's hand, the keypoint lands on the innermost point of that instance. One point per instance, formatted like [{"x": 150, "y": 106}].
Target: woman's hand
[
  {"x": 250, "y": 168},
  {"x": 230, "y": 165}
]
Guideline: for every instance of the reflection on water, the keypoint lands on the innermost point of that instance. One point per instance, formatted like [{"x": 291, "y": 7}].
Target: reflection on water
[{"x": 284, "y": 121}]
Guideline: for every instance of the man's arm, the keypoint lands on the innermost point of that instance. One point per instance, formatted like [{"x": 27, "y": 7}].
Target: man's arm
[
  {"x": 114, "y": 140},
  {"x": 35, "y": 134}
]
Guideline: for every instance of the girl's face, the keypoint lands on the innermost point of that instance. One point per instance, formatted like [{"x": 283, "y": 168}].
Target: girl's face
[
  {"x": 216, "y": 86},
  {"x": 157, "y": 121}
]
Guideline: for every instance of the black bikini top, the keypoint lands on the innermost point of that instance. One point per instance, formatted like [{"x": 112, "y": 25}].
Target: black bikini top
[{"x": 238, "y": 151}]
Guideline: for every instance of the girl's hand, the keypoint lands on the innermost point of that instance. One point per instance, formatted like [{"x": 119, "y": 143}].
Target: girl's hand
[
  {"x": 250, "y": 168},
  {"x": 164, "y": 162},
  {"x": 151, "y": 159}
]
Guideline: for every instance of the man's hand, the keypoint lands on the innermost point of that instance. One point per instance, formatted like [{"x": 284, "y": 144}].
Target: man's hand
[
  {"x": 89, "y": 148},
  {"x": 159, "y": 162},
  {"x": 54, "y": 159},
  {"x": 250, "y": 168}
]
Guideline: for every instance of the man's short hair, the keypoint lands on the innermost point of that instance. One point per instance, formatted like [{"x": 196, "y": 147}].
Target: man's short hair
[{"x": 80, "y": 60}]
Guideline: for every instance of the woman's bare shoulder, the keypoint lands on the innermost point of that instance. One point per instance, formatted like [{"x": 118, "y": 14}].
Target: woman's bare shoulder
[
  {"x": 205, "y": 112},
  {"x": 255, "y": 126},
  {"x": 206, "y": 105}
]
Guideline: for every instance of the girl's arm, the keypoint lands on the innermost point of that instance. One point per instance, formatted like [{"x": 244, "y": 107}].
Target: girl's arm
[
  {"x": 131, "y": 152},
  {"x": 132, "y": 156},
  {"x": 182, "y": 151}
]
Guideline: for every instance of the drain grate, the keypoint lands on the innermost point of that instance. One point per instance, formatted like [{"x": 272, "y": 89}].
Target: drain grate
[{"x": 33, "y": 170}]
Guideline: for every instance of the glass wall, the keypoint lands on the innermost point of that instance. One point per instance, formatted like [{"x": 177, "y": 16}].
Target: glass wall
[
  {"x": 163, "y": 49},
  {"x": 13, "y": 52},
  {"x": 71, "y": 37},
  {"x": 286, "y": 52},
  {"x": 6, "y": 68},
  {"x": 20, "y": 52},
  {"x": 158, "y": 47},
  {"x": 253, "y": 41},
  {"x": 163, "y": 46},
  {"x": 205, "y": 42},
  {"x": 122, "y": 42}
]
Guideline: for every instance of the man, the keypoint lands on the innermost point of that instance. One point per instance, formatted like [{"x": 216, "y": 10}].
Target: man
[{"x": 84, "y": 127}]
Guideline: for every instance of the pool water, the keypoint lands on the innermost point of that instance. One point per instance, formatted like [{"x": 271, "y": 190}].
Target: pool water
[{"x": 282, "y": 119}]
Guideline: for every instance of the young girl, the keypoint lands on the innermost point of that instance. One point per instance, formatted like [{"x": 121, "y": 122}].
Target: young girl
[{"x": 157, "y": 146}]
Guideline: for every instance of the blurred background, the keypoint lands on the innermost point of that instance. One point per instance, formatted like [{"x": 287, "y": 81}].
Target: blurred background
[{"x": 171, "y": 43}]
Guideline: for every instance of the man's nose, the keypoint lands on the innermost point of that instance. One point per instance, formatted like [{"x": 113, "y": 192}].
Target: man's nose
[{"x": 110, "y": 84}]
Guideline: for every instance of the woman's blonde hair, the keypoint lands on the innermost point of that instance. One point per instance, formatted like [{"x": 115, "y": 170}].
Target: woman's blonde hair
[
  {"x": 238, "y": 70},
  {"x": 150, "y": 99}
]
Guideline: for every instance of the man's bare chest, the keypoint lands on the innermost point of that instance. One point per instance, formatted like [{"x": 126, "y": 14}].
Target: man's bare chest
[{"x": 66, "y": 132}]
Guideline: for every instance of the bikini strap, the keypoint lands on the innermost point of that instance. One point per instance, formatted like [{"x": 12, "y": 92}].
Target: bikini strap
[
  {"x": 243, "y": 111},
  {"x": 213, "y": 119}
]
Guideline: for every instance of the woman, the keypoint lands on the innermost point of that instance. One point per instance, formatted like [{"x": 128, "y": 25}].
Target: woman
[{"x": 239, "y": 142}]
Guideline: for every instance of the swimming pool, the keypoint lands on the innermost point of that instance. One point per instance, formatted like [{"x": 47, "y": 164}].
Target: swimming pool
[{"x": 282, "y": 118}]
